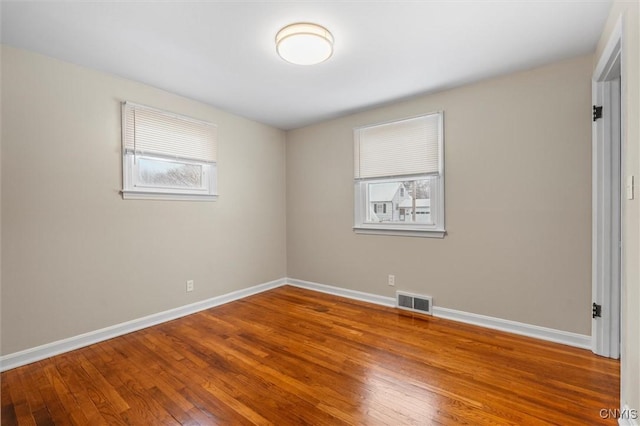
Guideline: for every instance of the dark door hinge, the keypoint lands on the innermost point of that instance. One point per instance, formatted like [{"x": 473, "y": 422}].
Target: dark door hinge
[
  {"x": 596, "y": 310},
  {"x": 597, "y": 112}
]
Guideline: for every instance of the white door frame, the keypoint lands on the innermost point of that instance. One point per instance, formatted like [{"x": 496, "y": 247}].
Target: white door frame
[{"x": 606, "y": 197}]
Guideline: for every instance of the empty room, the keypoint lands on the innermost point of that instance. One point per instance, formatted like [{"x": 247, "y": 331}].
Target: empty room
[{"x": 320, "y": 212}]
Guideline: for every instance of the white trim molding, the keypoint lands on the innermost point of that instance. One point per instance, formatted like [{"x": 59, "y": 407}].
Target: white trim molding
[
  {"x": 523, "y": 329},
  {"x": 141, "y": 195},
  {"x": 537, "y": 332},
  {"x": 424, "y": 233},
  {"x": 610, "y": 51},
  {"x": 17, "y": 359},
  {"x": 607, "y": 164},
  {"x": 38, "y": 353},
  {"x": 343, "y": 292}
]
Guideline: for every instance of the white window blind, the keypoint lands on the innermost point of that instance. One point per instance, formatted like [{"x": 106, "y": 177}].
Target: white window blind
[
  {"x": 407, "y": 147},
  {"x": 151, "y": 131}
]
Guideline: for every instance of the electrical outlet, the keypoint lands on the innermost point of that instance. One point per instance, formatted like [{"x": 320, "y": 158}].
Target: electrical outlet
[
  {"x": 392, "y": 280},
  {"x": 190, "y": 285}
]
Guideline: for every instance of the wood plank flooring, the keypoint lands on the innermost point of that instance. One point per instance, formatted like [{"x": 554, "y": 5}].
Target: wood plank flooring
[{"x": 295, "y": 357}]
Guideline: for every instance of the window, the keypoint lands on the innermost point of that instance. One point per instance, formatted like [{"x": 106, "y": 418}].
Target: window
[
  {"x": 167, "y": 156},
  {"x": 401, "y": 164},
  {"x": 379, "y": 208}
]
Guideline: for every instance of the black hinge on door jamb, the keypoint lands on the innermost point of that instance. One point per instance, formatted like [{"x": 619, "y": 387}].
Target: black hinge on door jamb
[
  {"x": 597, "y": 112},
  {"x": 596, "y": 310}
]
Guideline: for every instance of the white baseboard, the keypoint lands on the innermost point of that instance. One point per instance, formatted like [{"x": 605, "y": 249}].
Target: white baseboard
[
  {"x": 349, "y": 294},
  {"x": 38, "y": 353},
  {"x": 543, "y": 333},
  {"x": 628, "y": 417}
]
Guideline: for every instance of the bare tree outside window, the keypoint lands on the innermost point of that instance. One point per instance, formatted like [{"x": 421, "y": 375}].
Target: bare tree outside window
[
  {"x": 419, "y": 189},
  {"x": 170, "y": 174}
]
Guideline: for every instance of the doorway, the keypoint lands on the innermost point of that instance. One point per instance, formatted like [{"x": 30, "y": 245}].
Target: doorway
[{"x": 607, "y": 208}]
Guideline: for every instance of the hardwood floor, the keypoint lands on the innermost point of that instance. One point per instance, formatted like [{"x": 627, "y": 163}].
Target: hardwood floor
[{"x": 293, "y": 357}]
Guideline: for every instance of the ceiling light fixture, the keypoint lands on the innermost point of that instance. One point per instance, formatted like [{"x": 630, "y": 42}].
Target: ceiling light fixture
[{"x": 304, "y": 43}]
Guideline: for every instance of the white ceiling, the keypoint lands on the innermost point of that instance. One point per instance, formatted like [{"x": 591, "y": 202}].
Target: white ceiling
[{"x": 223, "y": 53}]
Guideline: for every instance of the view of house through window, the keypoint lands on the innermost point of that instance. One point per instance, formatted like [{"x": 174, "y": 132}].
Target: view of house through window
[{"x": 405, "y": 201}]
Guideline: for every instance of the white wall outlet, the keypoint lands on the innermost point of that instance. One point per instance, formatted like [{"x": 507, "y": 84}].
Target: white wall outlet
[
  {"x": 190, "y": 285},
  {"x": 392, "y": 280}
]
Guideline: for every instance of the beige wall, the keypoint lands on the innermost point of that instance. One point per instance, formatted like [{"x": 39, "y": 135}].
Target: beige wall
[
  {"x": 629, "y": 12},
  {"x": 518, "y": 202},
  {"x": 76, "y": 257}
]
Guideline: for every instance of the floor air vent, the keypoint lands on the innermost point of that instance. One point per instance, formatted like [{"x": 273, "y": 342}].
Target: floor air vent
[{"x": 414, "y": 302}]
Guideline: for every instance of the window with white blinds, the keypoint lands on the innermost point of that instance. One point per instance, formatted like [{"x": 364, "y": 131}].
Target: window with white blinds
[
  {"x": 167, "y": 155},
  {"x": 400, "y": 164},
  {"x": 407, "y": 147},
  {"x": 148, "y": 130}
]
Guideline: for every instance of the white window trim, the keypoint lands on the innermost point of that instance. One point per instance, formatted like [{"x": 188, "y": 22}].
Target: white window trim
[
  {"x": 438, "y": 230},
  {"x": 141, "y": 195},
  {"x": 422, "y": 233}
]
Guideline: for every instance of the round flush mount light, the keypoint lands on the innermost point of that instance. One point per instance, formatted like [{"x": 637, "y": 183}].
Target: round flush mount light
[{"x": 304, "y": 43}]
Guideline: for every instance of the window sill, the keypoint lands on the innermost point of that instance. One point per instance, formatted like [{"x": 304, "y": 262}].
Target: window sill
[
  {"x": 141, "y": 195},
  {"x": 423, "y": 233}
]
